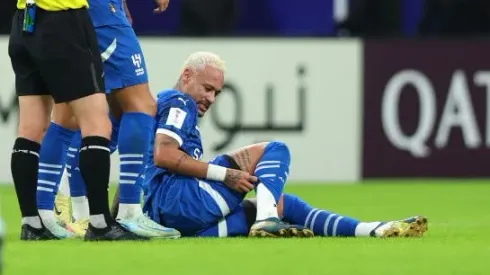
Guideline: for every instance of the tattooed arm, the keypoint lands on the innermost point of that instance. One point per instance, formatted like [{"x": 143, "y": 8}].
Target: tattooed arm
[{"x": 166, "y": 154}]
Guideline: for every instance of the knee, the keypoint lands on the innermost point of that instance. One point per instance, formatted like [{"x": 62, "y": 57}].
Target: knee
[
  {"x": 69, "y": 122},
  {"x": 279, "y": 145},
  {"x": 146, "y": 106},
  {"x": 136, "y": 98},
  {"x": 34, "y": 113},
  {"x": 63, "y": 117},
  {"x": 33, "y": 130},
  {"x": 279, "y": 148},
  {"x": 93, "y": 115},
  {"x": 96, "y": 125}
]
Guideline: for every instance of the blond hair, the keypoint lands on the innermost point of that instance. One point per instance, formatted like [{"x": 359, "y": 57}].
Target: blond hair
[{"x": 199, "y": 60}]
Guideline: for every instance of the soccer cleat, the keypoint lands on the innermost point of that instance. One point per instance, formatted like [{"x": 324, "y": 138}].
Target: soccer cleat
[
  {"x": 29, "y": 233},
  {"x": 144, "y": 226},
  {"x": 410, "y": 227},
  {"x": 113, "y": 232},
  {"x": 78, "y": 227},
  {"x": 59, "y": 231},
  {"x": 62, "y": 209},
  {"x": 274, "y": 227}
]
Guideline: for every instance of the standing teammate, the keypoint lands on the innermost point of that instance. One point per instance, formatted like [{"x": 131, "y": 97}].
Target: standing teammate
[
  {"x": 133, "y": 109},
  {"x": 206, "y": 199},
  {"x": 53, "y": 51}
]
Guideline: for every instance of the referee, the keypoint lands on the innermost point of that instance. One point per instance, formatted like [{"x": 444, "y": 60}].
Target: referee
[{"x": 54, "y": 54}]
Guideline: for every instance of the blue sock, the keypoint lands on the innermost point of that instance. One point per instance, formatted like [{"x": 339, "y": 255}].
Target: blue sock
[
  {"x": 51, "y": 164},
  {"x": 272, "y": 171},
  {"x": 321, "y": 222},
  {"x": 134, "y": 141},
  {"x": 273, "y": 167},
  {"x": 114, "y": 134},
  {"x": 75, "y": 180},
  {"x": 77, "y": 186}
]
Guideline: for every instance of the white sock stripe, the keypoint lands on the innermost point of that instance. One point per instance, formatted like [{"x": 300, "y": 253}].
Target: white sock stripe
[
  {"x": 222, "y": 228},
  {"x": 97, "y": 147},
  {"x": 71, "y": 149},
  {"x": 68, "y": 174},
  {"x": 131, "y": 156},
  {"x": 48, "y": 165},
  {"x": 309, "y": 215},
  {"x": 125, "y": 174},
  {"x": 266, "y": 167},
  {"x": 268, "y": 162},
  {"x": 218, "y": 199},
  {"x": 68, "y": 166},
  {"x": 52, "y": 183},
  {"x": 267, "y": 176},
  {"x": 127, "y": 181},
  {"x": 335, "y": 224},
  {"x": 131, "y": 162},
  {"x": 26, "y": 152},
  {"x": 314, "y": 219},
  {"x": 40, "y": 188},
  {"x": 327, "y": 222},
  {"x": 44, "y": 171},
  {"x": 70, "y": 155}
]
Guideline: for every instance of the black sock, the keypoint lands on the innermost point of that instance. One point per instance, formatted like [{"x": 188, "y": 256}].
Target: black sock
[
  {"x": 24, "y": 165},
  {"x": 95, "y": 164}
]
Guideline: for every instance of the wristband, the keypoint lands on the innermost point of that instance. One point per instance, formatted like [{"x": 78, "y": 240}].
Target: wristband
[{"x": 216, "y": 172}]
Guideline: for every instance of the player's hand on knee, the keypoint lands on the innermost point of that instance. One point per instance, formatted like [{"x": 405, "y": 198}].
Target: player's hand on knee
[
  {"x": 161, "y": 6},
  {"x": 239, "y": 181}
]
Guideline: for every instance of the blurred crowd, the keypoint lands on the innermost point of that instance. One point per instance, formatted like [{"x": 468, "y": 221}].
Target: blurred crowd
[{"x": 311, "y": 18}]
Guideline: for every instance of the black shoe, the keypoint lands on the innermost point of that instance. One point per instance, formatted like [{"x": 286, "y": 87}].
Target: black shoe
[
  {"x": 29, "y": 233},
  {"x": 113, "y": 232}
]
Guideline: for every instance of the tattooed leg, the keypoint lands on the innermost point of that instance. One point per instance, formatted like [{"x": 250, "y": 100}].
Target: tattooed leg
[
  {"x": 269, "y": 162},
  {"x": 248, "y": 157}
]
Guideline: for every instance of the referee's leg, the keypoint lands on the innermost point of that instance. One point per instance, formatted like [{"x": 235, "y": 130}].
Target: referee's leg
[
  {"x": 72, "y": 68},
  {"x": 34, "y": 109}
]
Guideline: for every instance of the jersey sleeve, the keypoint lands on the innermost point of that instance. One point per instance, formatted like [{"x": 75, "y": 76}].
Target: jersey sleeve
[{"x": 177, "y": 119}]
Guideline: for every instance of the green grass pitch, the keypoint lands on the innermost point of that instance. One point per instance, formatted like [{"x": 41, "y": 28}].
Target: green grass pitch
[{"x": 458, "y": 240}]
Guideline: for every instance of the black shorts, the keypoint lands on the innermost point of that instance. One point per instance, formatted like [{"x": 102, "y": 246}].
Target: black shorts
[{"x": 60, "y": 58}]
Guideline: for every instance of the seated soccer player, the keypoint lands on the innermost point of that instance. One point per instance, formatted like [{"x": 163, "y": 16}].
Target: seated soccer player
[{"x": 207, "y": 199}]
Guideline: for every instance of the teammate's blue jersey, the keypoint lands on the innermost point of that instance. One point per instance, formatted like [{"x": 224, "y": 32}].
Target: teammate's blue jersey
[
  {"x": 176, "y": 117},
  {"x": 107, "y": 12}
]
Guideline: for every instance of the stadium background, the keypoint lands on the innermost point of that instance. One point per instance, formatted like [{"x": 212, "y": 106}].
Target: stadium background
[{"x": 385, "y": 107}]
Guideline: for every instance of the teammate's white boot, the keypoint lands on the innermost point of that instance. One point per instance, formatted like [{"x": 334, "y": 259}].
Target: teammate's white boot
[
  {"x": 131, "y": 217},
  {"x": 60, "y": 232}
]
